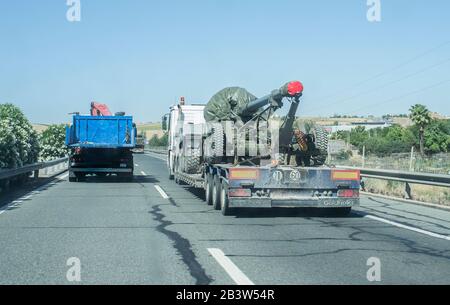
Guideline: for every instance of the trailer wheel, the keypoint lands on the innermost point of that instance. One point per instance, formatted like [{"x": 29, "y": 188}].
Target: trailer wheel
[
  {"x": 208, "y": 189},
  {"x": 216, "y": 192},
  {"x": 224, "y": 202}
]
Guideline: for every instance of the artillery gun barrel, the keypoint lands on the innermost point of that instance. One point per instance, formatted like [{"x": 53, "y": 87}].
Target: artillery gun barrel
[{"x": 291, "y": 89}]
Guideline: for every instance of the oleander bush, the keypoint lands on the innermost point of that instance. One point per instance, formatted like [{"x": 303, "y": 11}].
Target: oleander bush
[
  {"x": 19, "y": 143},
  {"x": 52, "y": 142}
]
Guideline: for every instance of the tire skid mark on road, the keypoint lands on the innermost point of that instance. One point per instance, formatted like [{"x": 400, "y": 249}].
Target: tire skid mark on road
[{"x": 182, "y": 246}]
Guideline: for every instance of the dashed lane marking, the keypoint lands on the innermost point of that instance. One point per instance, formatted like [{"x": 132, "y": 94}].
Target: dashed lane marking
[
  {"x": 233, "y": 271},
  {"x": 162, "y": 192}
]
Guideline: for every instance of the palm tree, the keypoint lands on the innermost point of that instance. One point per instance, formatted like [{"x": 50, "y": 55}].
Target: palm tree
[{"x": 420, "y": 115}]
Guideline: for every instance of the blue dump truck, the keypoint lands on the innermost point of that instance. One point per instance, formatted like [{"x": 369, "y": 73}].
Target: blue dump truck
[{"x": 101, "y": 145}]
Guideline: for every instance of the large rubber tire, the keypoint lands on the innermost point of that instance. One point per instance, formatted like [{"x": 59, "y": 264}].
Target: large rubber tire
[
  {"x": 208, "y": 189},
  {"x": 322, "y": 138},
  {"x": 192, "y": 162},
  {"x": 215, "y": 145},
  {"x": 216, "y": 193},
  {"x": 224, "y": 202}
]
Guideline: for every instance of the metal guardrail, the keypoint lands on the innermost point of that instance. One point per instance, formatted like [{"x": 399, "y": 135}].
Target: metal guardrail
[
  {"x": 404, "y": 176},
  {"x": 11, "y": 173},
  {"x": 157, "y": 150}
]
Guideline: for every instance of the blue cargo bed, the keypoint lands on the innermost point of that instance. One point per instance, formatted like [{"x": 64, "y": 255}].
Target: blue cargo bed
[{"x": 101, "y": 132}]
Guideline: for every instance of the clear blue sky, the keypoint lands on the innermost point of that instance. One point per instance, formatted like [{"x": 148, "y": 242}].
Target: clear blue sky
[{"x": 139, "y": 56}]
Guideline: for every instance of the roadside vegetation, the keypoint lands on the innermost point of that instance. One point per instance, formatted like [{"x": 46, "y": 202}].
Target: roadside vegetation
[
  {"x": 429, "y": 136},
  {"x": 21, "y": 145},
  {"x": 52, "y": 142}
]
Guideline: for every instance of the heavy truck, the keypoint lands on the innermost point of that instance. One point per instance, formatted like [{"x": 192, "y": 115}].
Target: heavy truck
[
  {"x": 217, "y": 147},
  {"x": 101, "y": 144}
]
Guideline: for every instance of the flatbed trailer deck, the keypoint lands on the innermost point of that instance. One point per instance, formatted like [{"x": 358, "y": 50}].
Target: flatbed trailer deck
[{"x": 228, "y": 187}]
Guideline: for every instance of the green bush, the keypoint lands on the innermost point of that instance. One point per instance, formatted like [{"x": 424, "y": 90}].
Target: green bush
[
  {"x": 52, "y": 142},
  {"x": 159, "y": 142},
  {"x": 19, "y": 144},
  {"x": 396, "y": 139}
]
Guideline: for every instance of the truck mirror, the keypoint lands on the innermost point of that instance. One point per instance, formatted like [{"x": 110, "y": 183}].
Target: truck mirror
[{"x": 164, "y": 122}]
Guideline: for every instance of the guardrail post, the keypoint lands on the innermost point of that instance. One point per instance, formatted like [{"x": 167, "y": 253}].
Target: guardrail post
[{"x": 408, "y": 194}]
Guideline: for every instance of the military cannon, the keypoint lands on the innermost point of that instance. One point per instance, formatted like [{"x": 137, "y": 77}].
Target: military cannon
[{"x": 244, "y": 109}]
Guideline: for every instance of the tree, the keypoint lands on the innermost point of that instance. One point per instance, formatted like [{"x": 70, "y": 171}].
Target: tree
[
  {"x": 52, "y": 142},
  {"x": 437, "y": 137},
  {"x": 420, "y": 115}
]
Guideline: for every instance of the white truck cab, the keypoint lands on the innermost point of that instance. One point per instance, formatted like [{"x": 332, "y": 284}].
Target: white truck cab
[{"x": 179, "y": 118}]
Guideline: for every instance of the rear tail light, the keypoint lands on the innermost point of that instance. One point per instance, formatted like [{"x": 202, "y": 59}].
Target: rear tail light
[
  {"x": 348, "y": 193},
  {"x": 244, "y": 174},
  {"x": 240, "y": 193},
  {"x": 345, "y": 175}
]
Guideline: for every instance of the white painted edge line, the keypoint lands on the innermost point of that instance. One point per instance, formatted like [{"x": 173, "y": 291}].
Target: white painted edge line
[
  {"x": 415, "y": 202},
  {"x": 233, "y": 271},
  {"x": 143, "y": 173},
  {"x": 37, "y": 191},
  {"x": 161, "y": 191},
  {"x": 399, "y": 225}
]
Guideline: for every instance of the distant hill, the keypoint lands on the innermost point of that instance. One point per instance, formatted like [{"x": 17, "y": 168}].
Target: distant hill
[
  {"x": 150, "y": 129},
  {"x": 40, "y": 128}
]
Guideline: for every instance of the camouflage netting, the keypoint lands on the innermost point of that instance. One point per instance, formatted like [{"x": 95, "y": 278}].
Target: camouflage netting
[{"x": 225, "y": 105}]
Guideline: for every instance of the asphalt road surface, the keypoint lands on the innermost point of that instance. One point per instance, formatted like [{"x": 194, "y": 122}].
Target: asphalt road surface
[{"x": 152, "y": 231}]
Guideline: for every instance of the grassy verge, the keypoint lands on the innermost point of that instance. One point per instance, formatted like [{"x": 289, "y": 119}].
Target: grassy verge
[{"x": 424, "y": 193}]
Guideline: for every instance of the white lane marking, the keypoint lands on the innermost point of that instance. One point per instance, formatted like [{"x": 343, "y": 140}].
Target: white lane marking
[
  {"x": 143, "y": 173},
  {"x": 399, "y": 225},
  {"x": 137, "y": 165},
  {"x": 233, "y": 271},
  {"x": 19, "y": 201},
  {"x": 161, "y": 191}
]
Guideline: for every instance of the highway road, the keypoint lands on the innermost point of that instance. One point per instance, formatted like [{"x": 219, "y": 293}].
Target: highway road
[{"x": 152, "y": 231}]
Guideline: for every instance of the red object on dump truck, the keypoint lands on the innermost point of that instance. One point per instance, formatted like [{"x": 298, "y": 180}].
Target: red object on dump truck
[{"x": 98, "y": 109}]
